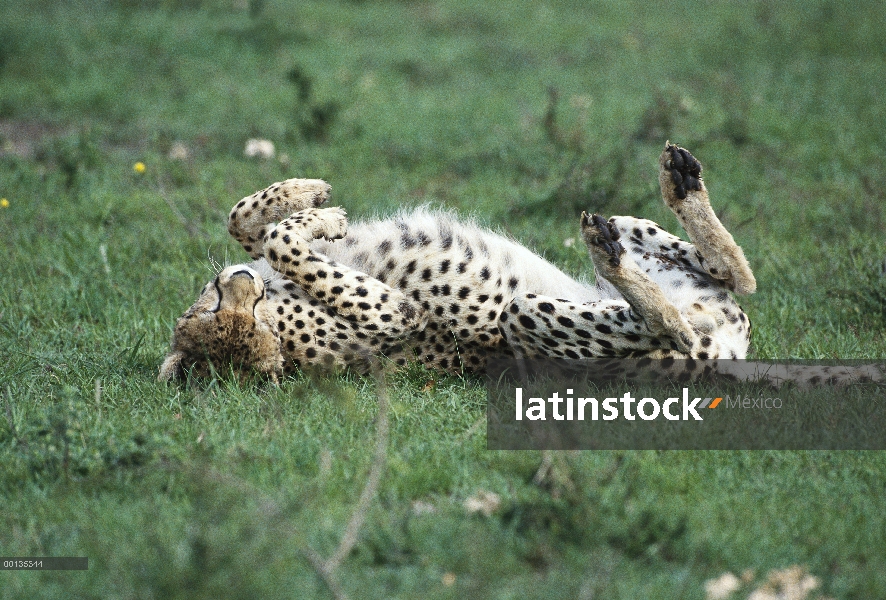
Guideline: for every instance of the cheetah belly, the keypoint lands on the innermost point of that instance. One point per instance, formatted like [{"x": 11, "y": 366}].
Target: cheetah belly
[{"x": 423, "y": 249}]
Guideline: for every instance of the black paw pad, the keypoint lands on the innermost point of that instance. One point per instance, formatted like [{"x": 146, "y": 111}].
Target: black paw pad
[
  {"x": 605, "y": 236},
  {"x": 685, "y": 171}
]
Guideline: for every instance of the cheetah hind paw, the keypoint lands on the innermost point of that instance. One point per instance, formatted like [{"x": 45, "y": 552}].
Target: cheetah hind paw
[
  {"x": 685, "y": 171},
  {"x": 601, "y": 237}
]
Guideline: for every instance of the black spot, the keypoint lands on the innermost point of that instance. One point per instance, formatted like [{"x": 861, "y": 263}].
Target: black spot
[
  {"x": 604, "y": 328},
  {"x": 463, "y": 293},
  {"x": 546, "y": 307},
  {"x": 444, "y": 266},
  {"x": 484, "y": 273},
  {"x": 527, "y": 322},
  {"x": 565, "y": 321},
  {"x": 426, "y": 274}
]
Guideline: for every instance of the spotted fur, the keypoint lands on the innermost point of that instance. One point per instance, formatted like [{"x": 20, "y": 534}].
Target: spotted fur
[{"x": 427, "y": 286}]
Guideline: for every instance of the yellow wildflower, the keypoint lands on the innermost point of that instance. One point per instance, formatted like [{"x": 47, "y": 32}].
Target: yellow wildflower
[
  {"x": 4, "y": 203},
  {"x": 139, "y": 167}
]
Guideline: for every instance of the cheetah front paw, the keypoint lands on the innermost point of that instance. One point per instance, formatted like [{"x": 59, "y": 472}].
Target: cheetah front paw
[
  {"x": 307, "y": 225},
  {"x": 601, "y": 238},
  {"x": 332, "y": 223}
]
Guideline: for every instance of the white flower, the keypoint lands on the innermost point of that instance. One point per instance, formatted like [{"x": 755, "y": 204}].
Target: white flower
[
  {"x": 259, "y": 148},
  {"x": 420, "y": 507},
  {"x": 484, "y": 502},
  {"x": 179, "y": 151},
  {"x": 722, "y": 587}
]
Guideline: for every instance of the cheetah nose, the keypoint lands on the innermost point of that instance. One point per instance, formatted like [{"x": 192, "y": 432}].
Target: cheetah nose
[{"x": 242, "y": 272}]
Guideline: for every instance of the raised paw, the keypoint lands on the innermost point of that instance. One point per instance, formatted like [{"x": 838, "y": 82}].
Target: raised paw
[
  {"x": 599, "y": 233},
  {"x": 255, "y": 215},
  {"x": 685, "y": 171},
  {"x": 327, "y": 223},
  {"x": 310, "y": 224}
]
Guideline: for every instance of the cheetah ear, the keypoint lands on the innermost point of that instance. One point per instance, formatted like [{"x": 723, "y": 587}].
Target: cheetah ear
[{"x": 171, "y": 367}]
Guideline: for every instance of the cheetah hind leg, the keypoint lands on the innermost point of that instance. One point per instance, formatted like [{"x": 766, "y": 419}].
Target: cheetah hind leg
[
  {"x": 684, "y": 192},
  {"x": 613, "y": 264}
]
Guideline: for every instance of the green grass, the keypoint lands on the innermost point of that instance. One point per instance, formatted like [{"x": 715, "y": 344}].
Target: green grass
[{"x": 214, "y": 490}]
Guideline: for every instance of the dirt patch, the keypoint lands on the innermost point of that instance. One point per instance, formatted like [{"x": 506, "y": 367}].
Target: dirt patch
[{"x": 23, "y": 138}]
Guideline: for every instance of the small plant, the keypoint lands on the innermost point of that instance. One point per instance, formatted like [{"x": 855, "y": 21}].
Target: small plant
[
  {"x": 313, "y": 119},
  {"x": 71, "y": 154},
  {"x": 658, "y": 120},
  {"x": 866, "y": 292}
]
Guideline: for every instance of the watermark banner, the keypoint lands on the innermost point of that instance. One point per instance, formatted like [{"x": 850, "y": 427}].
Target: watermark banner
[{"x": 639, "y": 404}]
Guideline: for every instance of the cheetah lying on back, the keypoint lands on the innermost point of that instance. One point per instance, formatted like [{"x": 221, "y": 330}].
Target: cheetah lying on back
[{"x": 425, "y": 286}]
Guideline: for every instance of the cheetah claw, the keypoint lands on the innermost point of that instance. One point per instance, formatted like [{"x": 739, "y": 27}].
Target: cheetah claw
[
  {"x": 685, "y": 171},
  {"x": 599, "y": 232}
]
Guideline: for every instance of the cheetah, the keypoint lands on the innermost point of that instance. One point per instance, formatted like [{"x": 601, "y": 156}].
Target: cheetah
[{"x": 426, "y": 286}]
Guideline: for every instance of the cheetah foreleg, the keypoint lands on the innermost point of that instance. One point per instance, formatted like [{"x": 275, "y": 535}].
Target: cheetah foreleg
[
  {"x": 362, "y": 299},
  {"x": 613, "y": 264},
  {"x": 256, "y": 215},
  {"x": 685, "y": 194}
]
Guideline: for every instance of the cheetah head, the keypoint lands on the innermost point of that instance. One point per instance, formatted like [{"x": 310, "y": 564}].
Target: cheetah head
[{"x": 225, "y": 327}]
